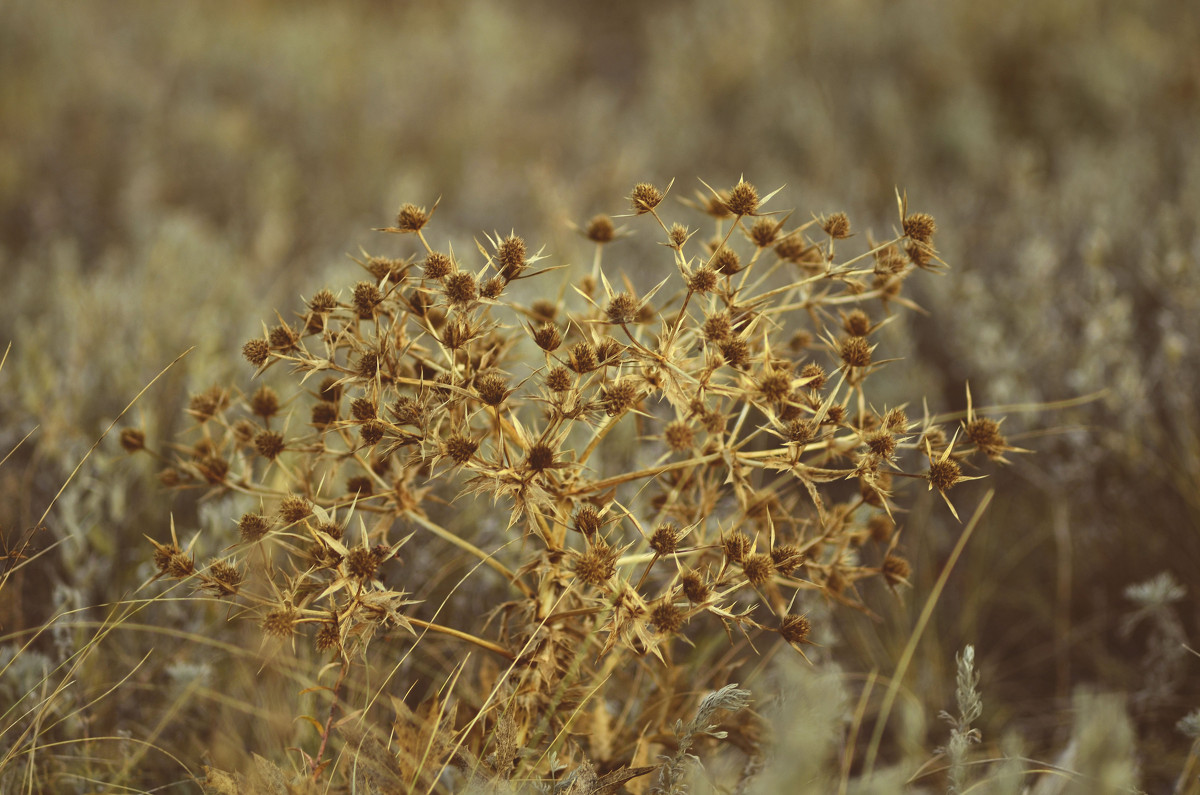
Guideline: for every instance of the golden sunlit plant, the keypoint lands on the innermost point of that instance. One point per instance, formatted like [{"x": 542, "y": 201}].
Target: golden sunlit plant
[{"x": 703, "y": 456}]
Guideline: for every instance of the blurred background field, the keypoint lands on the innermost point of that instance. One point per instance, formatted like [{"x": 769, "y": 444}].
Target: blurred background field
[{"x": 173, "y": 173}]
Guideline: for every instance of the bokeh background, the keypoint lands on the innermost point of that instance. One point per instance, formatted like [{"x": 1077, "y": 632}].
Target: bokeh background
[{"x": 173, "y": 173}]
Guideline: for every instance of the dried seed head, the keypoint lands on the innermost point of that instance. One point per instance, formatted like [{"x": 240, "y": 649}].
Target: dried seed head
[
  {"x": 208, "y": 403},
  {"x": 294, "y": 508},
  {"x": 281, "y": 621},
  {"x": 679, "y": 436},
  {"x": 492, "y": 389},
  {"x": 791, "y": 248},
  {"x": 619, "y": 396},
  {"x": 558, "y": 379},
  {"x": 622, "y": 309},
  {"x": 361, "y": 563},
  {"x": 460, "y": 289},
  {"x": 666, "y": 617},
  {"x": 283, "y": 337},
  {"x": 600, "y": 230},
  {"x": 787, "y": 559},
  {"x": 381, "y": 268},
  {"x": 837, "y": 226},
  {"x": 366, "y": 297},
  {"x": 368, "y": 364},
  {"x": 856, "y": 351},
  {"x": 857, "y": 324},
  {"x": 411, "y": 218},
  {"x": 694, "y": 586},
  {"x": 213, "y": 468},
  {"x": 540, "y": 457},
  {"x": 225, "y": 578},
  {"x": 328, "y": 638},
  {"x": 881, "y": 442},
  {"x": 264, "y": 402},
  {"x": 437, "y": 265},
  {"x": 895, "y": 570},
  {"x": 492, "y": 288},
  {"x": 360, "y": 485},
  {"x": 132, "y": 440},
  {"x": 510, "y": 257},
  {"x": 726, "y": 261},
  {"x": 765, "y": 232},
  {"x": 645, "y": 197},
  {"x": 896, "y": 420},
  {"x": 588, "y": 520},
  {"x": 718, "y": 327},
  {"x": 703, "y": 280},
  {"x": 758, "y": 568},
  {"x": 743, "y": 199},
  {"x": 548, "y": 337},
  {"x": 835, "y": 414},
  {"x": 794, "y": 629},
  {"x": 582, "y": 357},
  {"x": 736, "y": 546},
  {"x": 256, "y": 351},
  {"x": 880, "y": 527},
  {"x": 608, "y": 350},
  {"x": 919, "y": 254},
  {"x": 872, "y": 491},
  {"x": 889, "y": 261},
  {"x": 170, "y": 477},
  {"x": 816, "y": 373},
  {"x": 801, "y": 432},
  {"x": 253, "y": 526},
  {"x": 984, "y": 433},
  {"x": 774, "y": 386},
  {"x": 323, "y": 302},
  {"x": 460, "y": 448},
  {"x": 598, "y": 564},
  {"x": 943, "y": 474},
  {"x": 408, "y": 411},
  {"x": 665, "y": 539},
  {"x": 544, "y": 310},
  {"x": 920, "y": 227},
  {"x": 678, "y": 235},
  {"x": 713, "y": 421},
  {"x": 324, "y": 414},
  {"x": 372, "y": 432},
  {"x": 269, "y": 444},
  {"x": 736, "y": 352}
]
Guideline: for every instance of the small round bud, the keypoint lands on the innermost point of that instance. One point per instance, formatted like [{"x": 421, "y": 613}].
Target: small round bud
[
  {"x": 622, "y": 309},
  {"x": 598, "y": 565},
  {"x": 736, "y": 546},
  {"x": 665, "y": 539},
  {"x": 816, "y": 375},
  {"x": 588, "y": 520},
  {"x": 411, "y": 218},
  {"x": 460, "y": 448},
  {"x": 510, "y": 257},
  {"x": 694, "y": 587},
  {"x": 437, "y": 265},
  {"x": 944, "y": 474},
  {"x": 492, "y": 389},
  {"x": 264, "y": 402},
  {"x": 558, "y": 380},
  {"x": 269, "y": 444},
  {"x": 281, "y": 621},
  {"x": 461, "y": 289},
  {"x": 920, "y": 227},
  {"x": 132, "y": 440},
  {"x": 856, "y": 351},
  {"x": 857, "y": 324},
  {"x": 548, "y": 337},
  {"x": 372, "y": 432},
  {"x": 743, "y": 199},
  {"x": 666, "y": 617},
  {"x": 703, "y": 280},
  {"x": 726, "y": 261},
  {"x": 361, "y": 563},
  {"x": 895, "y": 570},
  {"x": 794, "y": 629},
  {"x": 679, "y": 436},
  {"x": 324, "y": 414},
  {"x": 253, "y": 526}
]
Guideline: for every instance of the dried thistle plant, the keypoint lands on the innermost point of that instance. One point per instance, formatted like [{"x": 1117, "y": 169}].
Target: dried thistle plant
[{"x": 764, "y": 475}]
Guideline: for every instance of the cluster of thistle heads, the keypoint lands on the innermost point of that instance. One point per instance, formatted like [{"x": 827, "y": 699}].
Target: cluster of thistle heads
[{"x": 702, "y": 451}]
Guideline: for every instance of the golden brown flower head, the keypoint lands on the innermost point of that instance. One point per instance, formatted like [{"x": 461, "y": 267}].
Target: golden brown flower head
[
  {"x": 366, "y": 297},
  {"x": 765, "y": 232},
  {"x": 361, "y": 563},
  {"x": 256, "y": 351},
  {"x": 324, "y": 414},
  {"x": 880, "y": 527},
  {"x": 794, "y": 629},
  {"x": 294, "y": 508},
  {"x": 437, "y": 265},
  {"x": 856, "y": 351},
  {"x": 678, "y": 235},
  {"x": 645, "y": 197},
  {"x": 895, "y": 570},
  {"x": 588, "y": 520},
  {"x": 743, "y": 199},
  {"x": 665, "y": 539},
  {"x": 460, "y": 447},
  {"x": 548, "y": 337},
  {"x": 703, "y": 280},
  {"x": 269, "y": 444},
  {"x": 944, "y": 473},
  {"x": 539, "y": 457},
  {"x": 372, "y": 432},
  {"x": 679, "y": 436},
  {"x": 460, "y": 289},
  {"x": 726, "y": 261},
  {"x": 510, "y": 257},
  {"x": 622, "y": 309},
  {"x": 411, "y": 218},
  {"x": 280, "y": 622},
  {"x": 619, "y": 396},
  {"x": 600, "y": 230},
  {"x": 323, "y": 302},
  {"x": 694, "y": 586},
  {"x": 558, "y": 379},
  {"x": 774, "y": 386},
  {"x": 920, "y": 227},
  {"x": 837, "y": 226},
  {"x": 736, "y": 546},
  {"x": 133, "y": 440},
  {"x": 787, "y": 558},
  {"x": 758, "y": 568},
  {"x": 283, "y": 337},
  {"x": 666, "y": 617},
  {"x": 736, "y": 352},
  {"x": 881, "y": 442},
  {"x": 857, "y": 324},
  {"x": 264, "y": 402},
  {"x": 598, "y": 565},
  {"x": 492, "y": 389},
  {"x": 582, "y": 357}
]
